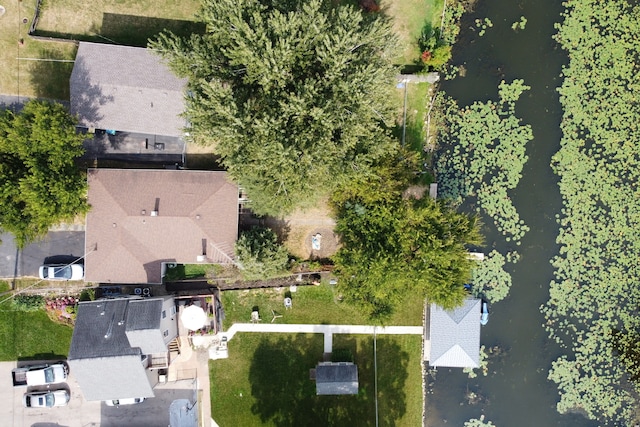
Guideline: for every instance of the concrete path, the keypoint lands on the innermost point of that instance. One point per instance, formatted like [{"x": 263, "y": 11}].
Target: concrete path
[{"x": 327, "y": 330}]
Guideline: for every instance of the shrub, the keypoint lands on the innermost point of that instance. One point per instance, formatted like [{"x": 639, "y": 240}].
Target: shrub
[
  {"x": 28, "y": 302},
  {"x": 260, "y": 255}
]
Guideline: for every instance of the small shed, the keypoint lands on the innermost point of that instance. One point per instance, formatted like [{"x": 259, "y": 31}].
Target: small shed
[{"x": 336, "y": 378}]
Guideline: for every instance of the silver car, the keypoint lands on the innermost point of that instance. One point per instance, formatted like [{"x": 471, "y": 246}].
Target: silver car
[{"x": 45, "y": 399}]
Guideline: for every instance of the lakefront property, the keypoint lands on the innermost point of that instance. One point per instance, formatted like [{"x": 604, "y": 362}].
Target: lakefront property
[{"x": 301, "y": 213}]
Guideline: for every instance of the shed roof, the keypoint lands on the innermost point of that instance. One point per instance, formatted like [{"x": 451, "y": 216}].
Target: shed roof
[
  {"x": 126, "y": 89},
  {"x": 455, "y": 335},
  {"x": 336, "y": 378},
  {"x": 197, "y": 212}
]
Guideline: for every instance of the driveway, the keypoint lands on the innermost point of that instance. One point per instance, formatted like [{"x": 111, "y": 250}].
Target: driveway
[
  {"x": 56, "y": 246},
  {"x": 80, "y": 413}
]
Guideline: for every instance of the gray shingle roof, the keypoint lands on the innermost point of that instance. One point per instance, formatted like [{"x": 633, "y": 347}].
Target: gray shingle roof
[
  {"x": 143, "y": 326},
  {"x": 455, "y": 335},
  {"x": 108, "y": 378},
  {"x": 196, "y": 210},
  {"x": 105, "y": 362},
  {"x": 126, "y": 89},
  {"x": 336, "y": 378}
]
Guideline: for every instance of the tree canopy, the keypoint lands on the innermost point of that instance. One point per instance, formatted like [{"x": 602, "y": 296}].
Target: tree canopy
[
  {"x": 294, "y": 95},
  {"x": 260, "y": 255},
  {"x": 395, "y": 248},
  {"x": 40, "y": 185}
]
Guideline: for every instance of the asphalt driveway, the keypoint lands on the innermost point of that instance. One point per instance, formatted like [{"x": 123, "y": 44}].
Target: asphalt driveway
[
  {"x": 152, "y": 412},
  {"x": 56, "y": 246}
]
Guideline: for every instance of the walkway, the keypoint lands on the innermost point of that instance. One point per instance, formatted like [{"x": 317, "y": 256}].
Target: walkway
[{"x": 327, "y": 330}]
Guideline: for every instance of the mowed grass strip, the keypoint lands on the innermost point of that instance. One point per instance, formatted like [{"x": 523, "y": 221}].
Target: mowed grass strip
[
  {"x": 320, "y": 304},
  {"x": 265, "y": 381}
]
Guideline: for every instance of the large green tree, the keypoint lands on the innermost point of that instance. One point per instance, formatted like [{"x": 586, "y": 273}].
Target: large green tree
[
  {"x": 40, "y": 184},
  {"x": 396, "y": 247},
  {"x": 293, "y": 94}
]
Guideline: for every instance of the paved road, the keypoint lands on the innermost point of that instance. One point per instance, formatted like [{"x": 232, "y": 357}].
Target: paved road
[{"x": 56, "y": 246}]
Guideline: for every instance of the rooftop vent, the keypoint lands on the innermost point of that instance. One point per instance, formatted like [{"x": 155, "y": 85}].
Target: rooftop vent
[{"x": 154, "y": 213}]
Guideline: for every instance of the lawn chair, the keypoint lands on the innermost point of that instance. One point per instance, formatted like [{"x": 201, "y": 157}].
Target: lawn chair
[
  {"x": 275, "y": 316},
  {"x": 255, "y": 317}
]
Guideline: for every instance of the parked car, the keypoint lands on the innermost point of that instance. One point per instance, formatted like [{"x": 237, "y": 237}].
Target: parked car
[
  {"x": 35, "y": 375},
  {"x": 119, "y": 402},
  {"x": 62, "y": 272},
  {"x": 45, "y": 399}
]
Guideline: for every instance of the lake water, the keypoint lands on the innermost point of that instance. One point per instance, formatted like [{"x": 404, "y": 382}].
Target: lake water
[{"x": 516, "y": 393}]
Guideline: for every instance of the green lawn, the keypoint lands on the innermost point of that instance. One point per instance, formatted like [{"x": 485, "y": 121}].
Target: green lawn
[
  {"x": 266, "y": 381},
  {"x": 311, "y": 305},
  {"x": 30, "y": 335}
]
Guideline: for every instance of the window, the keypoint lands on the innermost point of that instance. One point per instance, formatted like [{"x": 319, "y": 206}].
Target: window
[
  {"x": 164, "y": 313},
  {"x": 173, "y": 310},
  {"x": 166, "y": 333}
]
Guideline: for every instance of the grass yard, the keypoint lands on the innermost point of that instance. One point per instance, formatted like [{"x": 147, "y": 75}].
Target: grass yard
[
  {"x": 311, "y": 305},
  {"x": 409, "y": 17},
  {"x": 25, "y": 77},
  {"x": 265, "y": 381},
  {"x": 30, "y": 335},
  {"x": 125, "y": 22}
]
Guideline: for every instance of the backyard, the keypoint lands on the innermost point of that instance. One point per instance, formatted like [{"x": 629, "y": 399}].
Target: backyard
[
  {"x": 30, "y": 334},
  {"x": 265, "y": 381},
  {"x": 310, "y": 305}
]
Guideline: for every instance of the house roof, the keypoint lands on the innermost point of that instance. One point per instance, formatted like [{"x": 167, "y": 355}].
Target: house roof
[
  {"x": 336, "y": 378},
  {"x": 103, "y": 360},
  {"x": 455, "y": 335},
  {"x": 197, "y": 212},
  {"x": 126, "y": 89},
  {"x": 109, "y": 378},
  {"x": 143, "y": 326}
]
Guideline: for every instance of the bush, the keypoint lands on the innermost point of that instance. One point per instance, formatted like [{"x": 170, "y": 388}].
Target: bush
[
  {"x": 28, "y": 302},
  {"x": 260, "y": 255}
]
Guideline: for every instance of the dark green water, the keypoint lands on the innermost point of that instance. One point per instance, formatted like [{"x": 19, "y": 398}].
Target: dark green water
[{"x": 516, "y": 393}]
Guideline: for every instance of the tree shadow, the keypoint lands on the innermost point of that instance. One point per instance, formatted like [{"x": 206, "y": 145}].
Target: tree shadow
[
  {"x": 49, "y": 78},
  {"x": 134, "y": 30},
  {"x": 286, "y": 396}
]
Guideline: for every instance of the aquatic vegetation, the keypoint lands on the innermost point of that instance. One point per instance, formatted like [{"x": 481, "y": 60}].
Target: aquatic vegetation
[
  {"x": 483, "y": 24},
  {"x": 519, "y": 25},
  {"x": 479, "y": 422},
  {"x": 490, "y": 281},
  {"x": 482, "y": 156},
  {"x": 484, "y": 365},
  {"x": 595, "y": 294}
]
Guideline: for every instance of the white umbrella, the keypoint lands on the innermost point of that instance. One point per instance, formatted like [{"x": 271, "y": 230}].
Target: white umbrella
[{"x": 193, "y": 317}]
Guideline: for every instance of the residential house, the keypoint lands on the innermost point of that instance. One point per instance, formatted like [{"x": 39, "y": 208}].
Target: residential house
[
  {"x": 140, "y": 220},
  {"x": 334, "y": 378},
  {"x": 131, "y": 92},
  {"x": 454, "y": 335},
  {"x": 118, "y": 343}
]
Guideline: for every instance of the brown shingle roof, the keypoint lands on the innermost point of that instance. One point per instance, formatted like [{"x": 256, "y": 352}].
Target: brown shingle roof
[
  {"x": 126, "y": 89},
  {"x": 197, "y": 212}
]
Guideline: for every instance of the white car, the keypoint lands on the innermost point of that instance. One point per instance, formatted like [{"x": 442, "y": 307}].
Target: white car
[
  {"x": 62, "y": 272},
  {"x": 119, "y": 402},
  {"x": 45, "y": 399}
]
